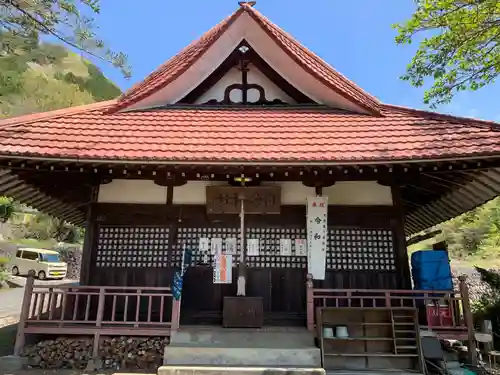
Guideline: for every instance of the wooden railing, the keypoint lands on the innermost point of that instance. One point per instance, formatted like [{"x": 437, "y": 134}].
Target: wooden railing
[
  {"x": 458, "y": 317},
  {"x": 96, "y": 310}
]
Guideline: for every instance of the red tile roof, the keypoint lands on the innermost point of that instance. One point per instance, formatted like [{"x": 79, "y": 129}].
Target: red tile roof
[
  {"x": 176, "y": 66},
  {"x": 309, "y": 61},
  {"x": 237, "y": 134}
]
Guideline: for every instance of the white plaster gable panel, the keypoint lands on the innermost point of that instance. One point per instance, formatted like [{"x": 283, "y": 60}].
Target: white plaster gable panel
[
  {"x": 194, "y": 192},
  {"x": 359, "y": 193},
  {"x": 246, "y": 28},
  {"x": 132, "y": 191},
  {"x": 254, "y": 76},
  {"x": 293, "y": 192}
]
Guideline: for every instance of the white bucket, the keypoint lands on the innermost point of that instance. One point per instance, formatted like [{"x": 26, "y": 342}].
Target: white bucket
[{"x": 341, "y": 332}]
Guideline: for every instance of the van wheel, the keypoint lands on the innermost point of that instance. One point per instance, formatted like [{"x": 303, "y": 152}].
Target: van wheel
[
  {"x": 41, "y": 275},
  {"x": 15, "y": 271}
]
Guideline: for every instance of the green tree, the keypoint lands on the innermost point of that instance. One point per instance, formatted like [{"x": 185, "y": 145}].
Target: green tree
[
  {"x": 460, "y": 48},
  {"x": 41, "y": 93},
  {"x": 70, "y": 21},
  {"x": 43, "y": 77},
  {"x": 7, "y": 208}
]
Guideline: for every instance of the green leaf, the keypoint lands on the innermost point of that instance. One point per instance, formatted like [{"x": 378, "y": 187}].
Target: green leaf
[{"x": 461, "y": 48}]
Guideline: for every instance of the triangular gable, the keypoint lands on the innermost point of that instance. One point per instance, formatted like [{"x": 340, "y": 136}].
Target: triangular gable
[
  {"x": 245, "y": 78},
  {"x": 295, "y": 65}
]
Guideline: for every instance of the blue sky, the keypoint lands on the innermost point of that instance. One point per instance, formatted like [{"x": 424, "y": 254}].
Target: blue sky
[{"x": 354, "y": 36}]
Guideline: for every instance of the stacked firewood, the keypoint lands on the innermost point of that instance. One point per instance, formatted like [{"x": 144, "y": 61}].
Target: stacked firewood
[{"x": 114, "y": 353}]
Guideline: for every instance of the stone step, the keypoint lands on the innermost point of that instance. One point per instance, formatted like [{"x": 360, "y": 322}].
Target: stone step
[
  {"x": 241, "y": 338},
  {"x": 216, "y": 370},
  {"x": 242, "y": 356}
]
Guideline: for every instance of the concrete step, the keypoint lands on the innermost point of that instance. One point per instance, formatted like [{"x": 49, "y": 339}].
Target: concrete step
[
  {"x": 243, "y": 338},
  {"x": 212, "y": 370},
  {"x": 215, "y": 346},
  {"x": 220, "y": 356}
]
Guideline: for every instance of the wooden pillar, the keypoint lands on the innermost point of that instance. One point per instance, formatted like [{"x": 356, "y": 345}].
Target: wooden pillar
[
  {"x": 89, "y": 239},
  {"x": 399, "y": 237},
  {"x": 176, "y": 315},
  {"x": 310, "y": 302},
  {"x": 469, "y": 319},
  {"x": 25, "y": 310},
  {"x": 99, "y": 317}
]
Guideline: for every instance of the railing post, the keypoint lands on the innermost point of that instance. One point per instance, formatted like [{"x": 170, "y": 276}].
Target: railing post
[
  {"x": 176, "y": 314},
  {"x": 310, "y": 302},
  {"x": 99, "y": 317},
  {"x": 25, "y": 310},
  {"x": 469, "y": 319}
]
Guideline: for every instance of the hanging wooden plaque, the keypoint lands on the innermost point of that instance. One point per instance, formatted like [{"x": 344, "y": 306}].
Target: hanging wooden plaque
[{"x": 258, "y": 199}]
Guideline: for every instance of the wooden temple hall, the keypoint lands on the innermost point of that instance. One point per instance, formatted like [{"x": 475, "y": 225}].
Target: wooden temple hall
[{"x": 247, "y": 183}]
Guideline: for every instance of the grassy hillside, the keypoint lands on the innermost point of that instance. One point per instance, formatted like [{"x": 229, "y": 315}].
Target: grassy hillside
[
  {"x": 473, "y": 237},
  {"x": 37, "y": 77}
]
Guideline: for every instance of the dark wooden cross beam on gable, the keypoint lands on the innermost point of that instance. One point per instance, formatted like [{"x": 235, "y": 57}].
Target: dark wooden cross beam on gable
[
  {"x": 249, "y": 3},
  {"x": 244, "y": 86},
  {"x": 244, "y": 57},
  {"x": 244, "y": 74}
]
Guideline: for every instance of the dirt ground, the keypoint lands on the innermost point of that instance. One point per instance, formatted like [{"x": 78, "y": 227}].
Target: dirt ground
[
  {"x": 7, "y": 339},
  {"x": 67, "y": 372}
]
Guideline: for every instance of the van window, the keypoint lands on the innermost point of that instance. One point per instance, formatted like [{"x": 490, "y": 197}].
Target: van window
[
  {"x": 18, "y": 254},
  {"x": 50, "y": 258},
  {"x": 31, "y": 255}
]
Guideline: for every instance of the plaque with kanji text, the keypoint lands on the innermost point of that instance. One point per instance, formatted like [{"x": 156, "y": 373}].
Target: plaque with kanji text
[{"x": 257, "y": 199}]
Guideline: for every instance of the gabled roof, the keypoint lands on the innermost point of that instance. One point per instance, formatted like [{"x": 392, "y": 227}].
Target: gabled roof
[
  {"x": 307, "y": 60},
  {"x": 283, "y": 134}
]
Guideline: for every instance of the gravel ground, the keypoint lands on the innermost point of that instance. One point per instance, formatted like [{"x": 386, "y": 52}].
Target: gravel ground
[{"x": 12, "y": 299}]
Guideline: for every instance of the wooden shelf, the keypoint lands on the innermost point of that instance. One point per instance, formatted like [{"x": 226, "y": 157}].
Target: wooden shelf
[
  {"x": 371, "y": 354},
  {"x": 373, "y": 332},
  {"x": 358, "y": 338}
]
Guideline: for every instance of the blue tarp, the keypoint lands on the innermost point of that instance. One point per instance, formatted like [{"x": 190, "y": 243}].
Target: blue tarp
[{"x": 431, "y": 270}]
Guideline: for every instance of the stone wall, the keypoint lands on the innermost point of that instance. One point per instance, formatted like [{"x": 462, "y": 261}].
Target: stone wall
[{"x": 72, "y": 255}]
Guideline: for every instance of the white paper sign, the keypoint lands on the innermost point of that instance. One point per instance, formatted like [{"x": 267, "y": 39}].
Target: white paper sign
[
  {"x": 223, "y": 269},
  {"x": 204, "y": 244},
  {"x": 285, "y": 247},
  {"x": 253, "y": 247},
  {"x": 216, "y": 246},
  {"x": 301, "y": 247},
  {"x": 317, "y": 211},
  {"x": 231, "y": 246}
]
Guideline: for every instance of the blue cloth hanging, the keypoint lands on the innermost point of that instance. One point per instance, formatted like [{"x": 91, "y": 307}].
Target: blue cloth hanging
[
  {"x": 178, "y": 279},
  {"x": 177, "y": 285},
  {"x": 188, "y": 257}
]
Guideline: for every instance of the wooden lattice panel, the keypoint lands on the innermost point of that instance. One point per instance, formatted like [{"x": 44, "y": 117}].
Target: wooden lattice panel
[
  {"x": 269, "y": 244},
  {"x": 360, "y": 250},
  {"x": 190, "y": 237},
  {"x": 143, "y": 247}
]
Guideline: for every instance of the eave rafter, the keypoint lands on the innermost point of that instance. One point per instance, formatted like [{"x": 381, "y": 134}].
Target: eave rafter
[
  {"x": 13, "y": 185},
  {"x": 432, "y": 192}
]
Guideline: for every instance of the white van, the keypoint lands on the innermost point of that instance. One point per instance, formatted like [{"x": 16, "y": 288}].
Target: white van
[{"x": 45, "y": 263}]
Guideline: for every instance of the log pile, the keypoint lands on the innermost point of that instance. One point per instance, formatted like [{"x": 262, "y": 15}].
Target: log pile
[{"x": 114, "y": 353}]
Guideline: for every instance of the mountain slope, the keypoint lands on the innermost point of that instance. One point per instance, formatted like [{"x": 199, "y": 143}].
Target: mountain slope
[{"x": 37, "y": 77}]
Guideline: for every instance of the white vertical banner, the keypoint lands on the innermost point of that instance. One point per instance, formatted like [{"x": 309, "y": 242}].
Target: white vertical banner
[
  {"x": 317, "y": 220},
  {"x": 223, "y": 269},
  {"x": 301, "y": 247},
  {"x": 285, "y": 247}
]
